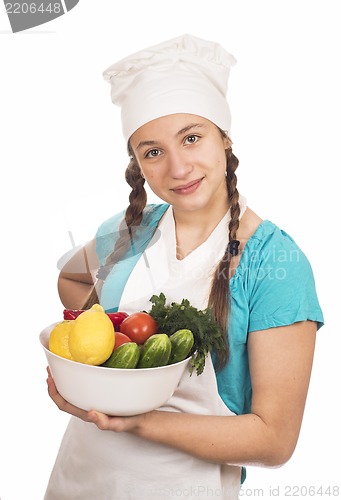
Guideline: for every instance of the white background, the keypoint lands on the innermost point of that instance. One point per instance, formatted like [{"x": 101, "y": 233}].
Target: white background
[{"x": 62, "y": 166}]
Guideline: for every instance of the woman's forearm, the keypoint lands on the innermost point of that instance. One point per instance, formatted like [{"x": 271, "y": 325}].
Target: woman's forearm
[{"x": 236, "y": 440}]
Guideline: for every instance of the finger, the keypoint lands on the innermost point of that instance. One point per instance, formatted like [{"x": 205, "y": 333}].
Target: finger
[
  {"x": 117, "y": 424},
  {"x": 104, "y": 422},
  {"x": 51, "y": 386}
]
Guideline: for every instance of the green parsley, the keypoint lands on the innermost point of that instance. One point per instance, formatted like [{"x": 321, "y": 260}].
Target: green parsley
[{"x": 173, "y": 317}]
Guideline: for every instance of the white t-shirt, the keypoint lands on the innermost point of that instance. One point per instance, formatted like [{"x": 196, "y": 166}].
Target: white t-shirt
[{"x": 101, "y": 465}]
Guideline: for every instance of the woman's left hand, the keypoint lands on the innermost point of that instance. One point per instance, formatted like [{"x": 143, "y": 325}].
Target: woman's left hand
[{"x": 103, "y": 421}]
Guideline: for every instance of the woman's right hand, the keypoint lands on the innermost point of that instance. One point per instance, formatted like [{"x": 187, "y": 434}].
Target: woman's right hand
[{"x": 103, "y": 422}]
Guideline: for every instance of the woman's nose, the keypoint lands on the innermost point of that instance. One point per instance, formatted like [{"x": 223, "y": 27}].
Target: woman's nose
[{"x": 179, "y": 164}]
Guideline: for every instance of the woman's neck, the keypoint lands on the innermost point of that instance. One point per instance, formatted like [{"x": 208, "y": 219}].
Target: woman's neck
[{"x": 194, "y": 228}]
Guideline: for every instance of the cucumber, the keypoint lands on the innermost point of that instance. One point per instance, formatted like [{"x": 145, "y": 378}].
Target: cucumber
[
  {"x": 125, "y": 356},
  {"x": 155, "y": 351},
  {"x": 182, "y": 342}
]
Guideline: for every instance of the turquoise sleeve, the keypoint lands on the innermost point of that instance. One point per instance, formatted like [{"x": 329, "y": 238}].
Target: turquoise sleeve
[
  {"x": 282, "y": 285},
  {"x": 133, "y": 244}
]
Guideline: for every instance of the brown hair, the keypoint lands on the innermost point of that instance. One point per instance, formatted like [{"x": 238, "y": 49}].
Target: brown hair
[{"x": 219, "y": 297}]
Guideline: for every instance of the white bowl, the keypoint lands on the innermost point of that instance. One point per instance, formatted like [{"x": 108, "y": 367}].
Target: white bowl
[{"x": 113, "y": 391}]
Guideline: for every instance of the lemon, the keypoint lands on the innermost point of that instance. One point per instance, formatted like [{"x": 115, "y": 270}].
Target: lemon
[
  {"x": 59, "y": 339},
  {"x": 92, "y": 337}
]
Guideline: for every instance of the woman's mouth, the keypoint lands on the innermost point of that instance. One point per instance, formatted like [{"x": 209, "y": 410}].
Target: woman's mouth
[{"x": 188, "y": 188}]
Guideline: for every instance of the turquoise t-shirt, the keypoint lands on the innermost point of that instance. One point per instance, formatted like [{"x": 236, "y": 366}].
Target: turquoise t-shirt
[{"x": 273, "y": 286}]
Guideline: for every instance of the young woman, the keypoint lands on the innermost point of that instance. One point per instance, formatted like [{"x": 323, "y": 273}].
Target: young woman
[{"x": 204, "y": 244}]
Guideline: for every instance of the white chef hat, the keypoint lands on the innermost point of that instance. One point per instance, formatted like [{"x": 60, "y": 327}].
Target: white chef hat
[{"x": 182, "y": 75}]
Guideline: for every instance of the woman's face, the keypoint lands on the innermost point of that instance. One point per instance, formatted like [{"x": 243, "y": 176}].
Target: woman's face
[{"x": 182, "y": 157}]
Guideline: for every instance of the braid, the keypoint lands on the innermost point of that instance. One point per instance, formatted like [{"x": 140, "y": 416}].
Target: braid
[
  {"x": 133, "y": 218},
  {"x": 233, "y": 194},
  {"x": 133, "y": 214},
  {"x": 219, "y": 298},
  {"x": 138, "y": 195}
]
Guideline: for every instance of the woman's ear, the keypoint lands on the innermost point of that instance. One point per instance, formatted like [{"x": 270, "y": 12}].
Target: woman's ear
[{"x": 227, "y": 142}]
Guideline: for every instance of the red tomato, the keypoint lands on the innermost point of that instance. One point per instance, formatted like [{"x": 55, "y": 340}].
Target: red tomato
[
  {"x": 120, "y": 339},
  {"x": 139, "y": 327}
]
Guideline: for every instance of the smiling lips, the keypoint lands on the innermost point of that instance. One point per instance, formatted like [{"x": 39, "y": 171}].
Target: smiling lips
[{"x": 187, "y": 188}]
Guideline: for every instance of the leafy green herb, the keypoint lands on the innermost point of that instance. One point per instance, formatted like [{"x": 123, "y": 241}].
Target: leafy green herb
[{"x": 173, "y": 317}]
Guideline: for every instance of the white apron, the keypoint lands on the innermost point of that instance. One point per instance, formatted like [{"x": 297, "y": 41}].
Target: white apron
[{"x": 103, "y": 465}]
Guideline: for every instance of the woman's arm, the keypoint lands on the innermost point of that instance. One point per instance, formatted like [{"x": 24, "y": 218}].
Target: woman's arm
[
  {"x": 280, "y": 363},
  {"x": 77, "y": 277}
]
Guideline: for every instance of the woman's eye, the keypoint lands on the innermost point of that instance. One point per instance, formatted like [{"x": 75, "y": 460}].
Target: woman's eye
[
  {"x": 152, "y": 153},
  {"x": 191, "y": 139}
]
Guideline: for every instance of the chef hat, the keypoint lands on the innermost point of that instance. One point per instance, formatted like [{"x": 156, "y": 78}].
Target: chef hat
[{"x": 182, "y": 75}]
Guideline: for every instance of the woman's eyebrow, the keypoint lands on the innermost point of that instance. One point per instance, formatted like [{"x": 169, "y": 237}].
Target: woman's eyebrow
[
  {"x": 189, "y": 127},
  {"x": 145, "y": 143}
]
